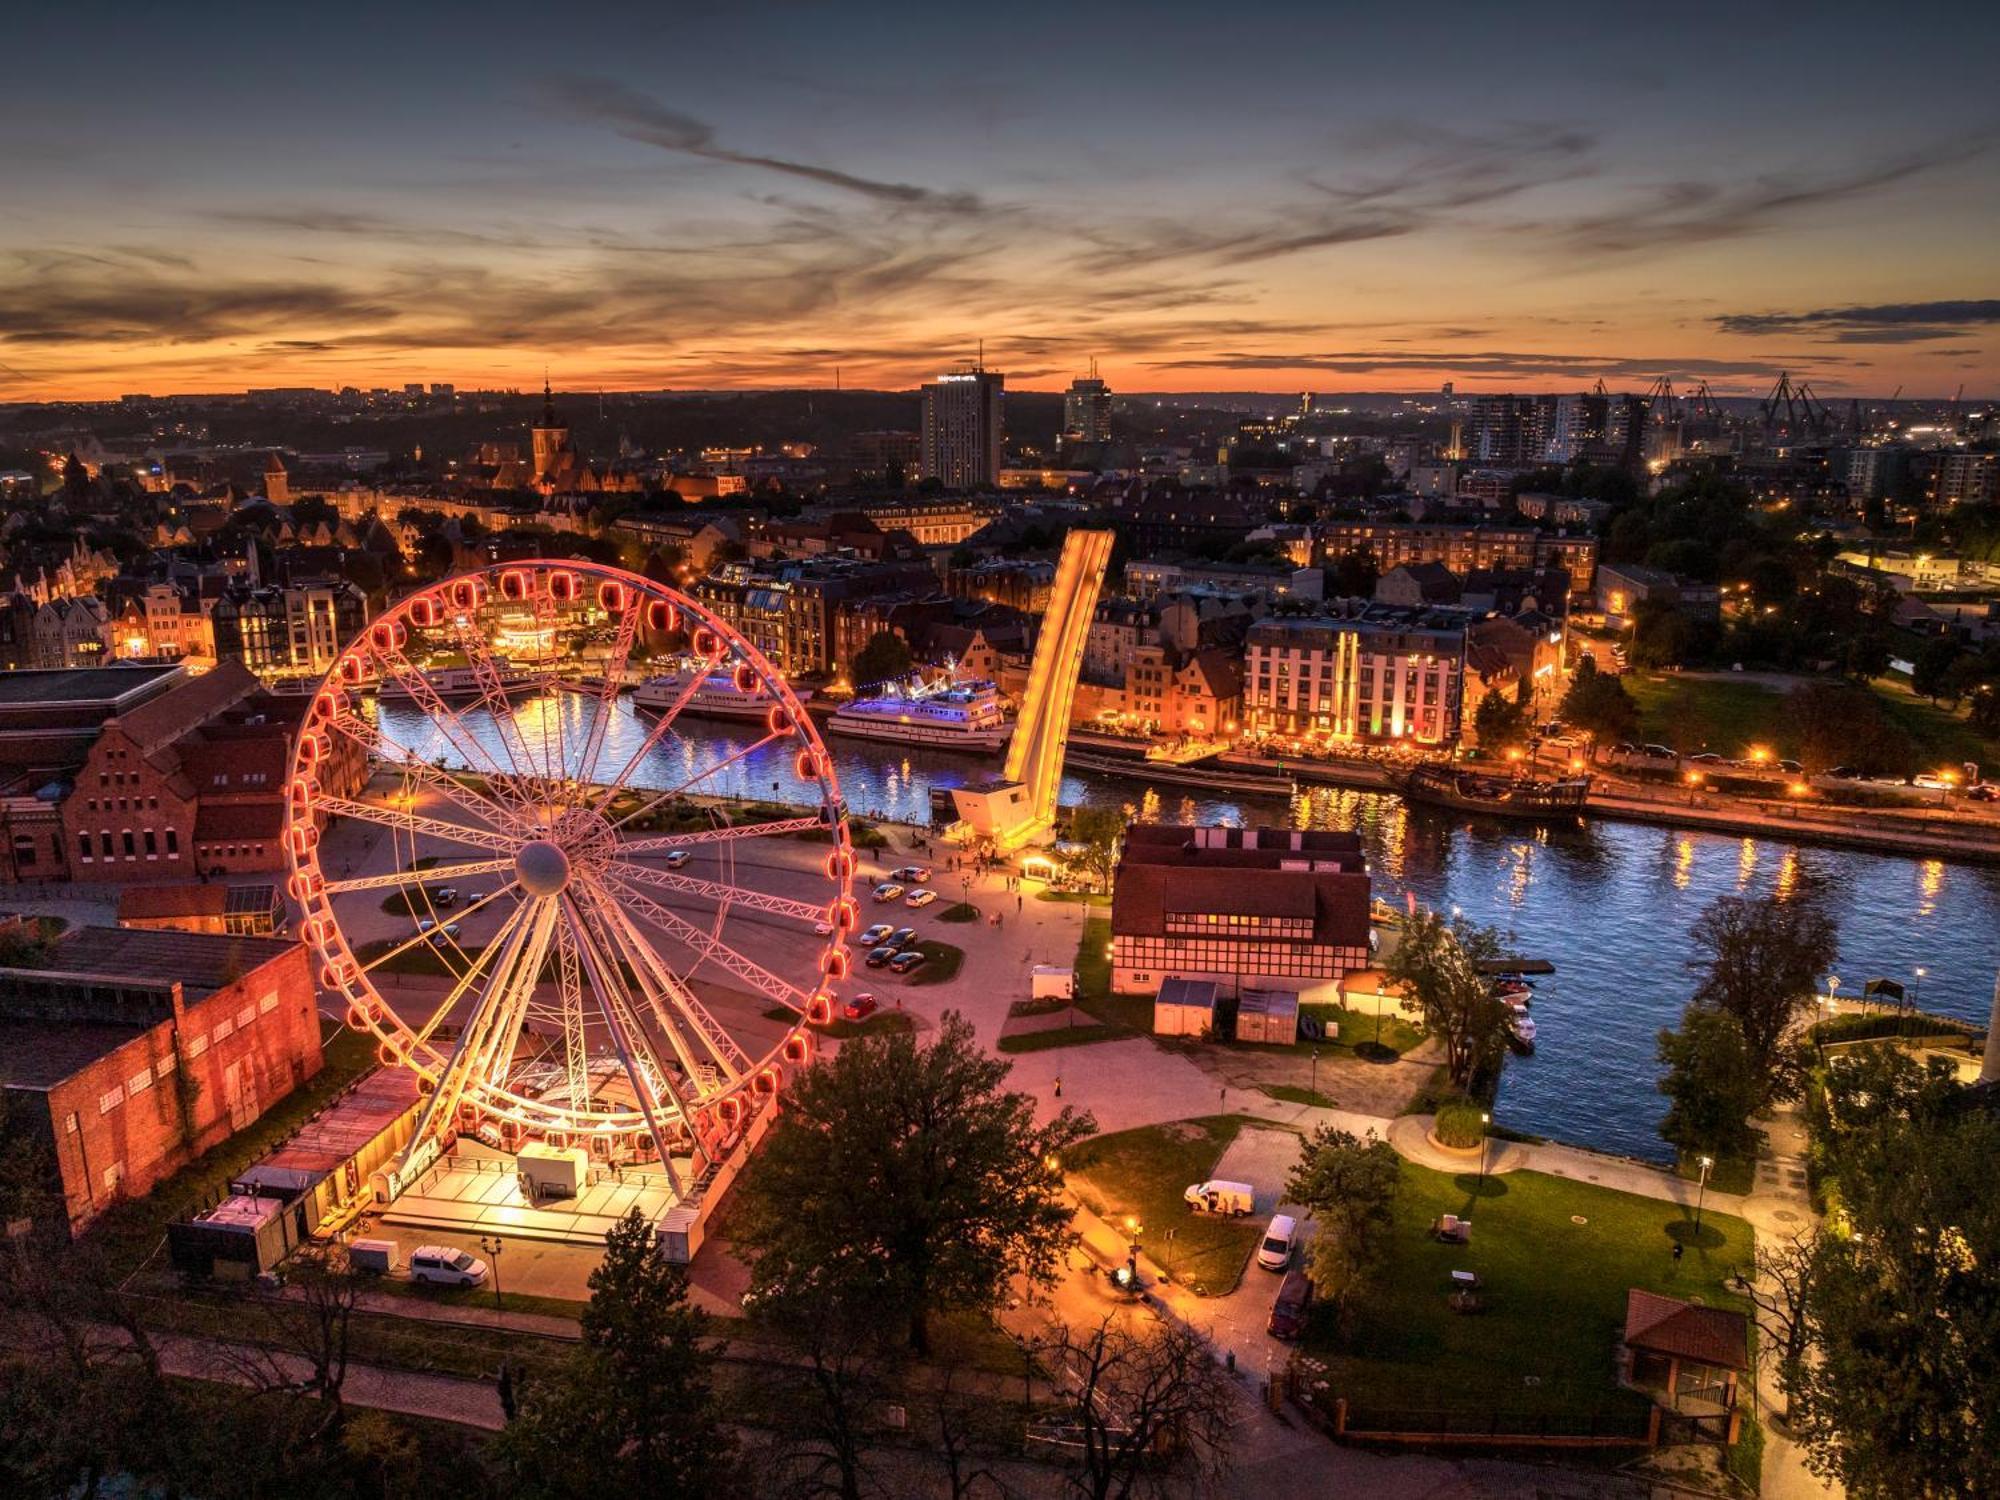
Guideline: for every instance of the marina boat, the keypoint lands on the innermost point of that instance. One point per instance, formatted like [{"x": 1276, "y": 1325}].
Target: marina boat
[
  {"x": 1521, "y": 1032},
  {"x": 717, "y": 696},
  {"x": 948, "y": 716},
  {"x": 463, "y": 682},
  {"x": 1208, "y": 775},
  {"x": 1500, "y": 796}
]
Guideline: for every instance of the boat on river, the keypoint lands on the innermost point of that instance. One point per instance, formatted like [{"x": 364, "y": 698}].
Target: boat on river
[
  {"x": 452, "y": 683},
  {"x": 717, "y": 696},
  {"x": 1499, "y": 796},
  {"x": 942, "y": 716},
  {"x": 1207, "y": 775}
]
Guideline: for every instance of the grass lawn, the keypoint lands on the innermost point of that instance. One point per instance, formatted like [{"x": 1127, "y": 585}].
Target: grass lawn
[
  {"x": 941, "y": 961},
  {"x": 423, "y": 958},
  {"x": 1287, "y": 1093},
  {"x": 1143, "y": 1173},
  {"x": 841, "y": 1029},
  {"x": 1062, "y": 1036},
  {"x": 1555, "y": 1292},
  {"x": 1694, "y": 714},
  {"x": 128, "y": 1232},
  {"x": 959, "y": 911},
  {"x": 480, "y": 1297}
]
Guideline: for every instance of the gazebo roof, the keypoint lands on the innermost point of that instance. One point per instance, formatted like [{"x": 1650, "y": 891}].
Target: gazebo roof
[{"x": 1667, "y": 1325}]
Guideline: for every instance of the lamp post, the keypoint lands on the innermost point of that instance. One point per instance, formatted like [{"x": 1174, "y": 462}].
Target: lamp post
[
  {"x": 1701, "y": 1195},
  {"x": 1485, "y": 1135},
  {"x": 1315, "y": 1072},
  {"x": 492, "y": 1245},
  {"x": 1916, "y": 993}
]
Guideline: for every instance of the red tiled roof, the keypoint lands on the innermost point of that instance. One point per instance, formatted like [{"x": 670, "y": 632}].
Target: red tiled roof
[
  {"x": 217, "y": 823},
  {"x": 160, "y": 721},
  {"x": 1667, "y": 1325},
  {"x": 1336, "y": 900}
]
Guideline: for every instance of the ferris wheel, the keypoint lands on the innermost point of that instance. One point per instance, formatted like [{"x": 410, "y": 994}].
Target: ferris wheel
[{"x": 534, "y": 907}]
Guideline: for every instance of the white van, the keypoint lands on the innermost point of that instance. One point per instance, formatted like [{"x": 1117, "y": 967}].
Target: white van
[
  {"x": 1217, "y": 1197},
  {"x": 445, "y": 1266},
  {"x": 1276, "y": 1251}
]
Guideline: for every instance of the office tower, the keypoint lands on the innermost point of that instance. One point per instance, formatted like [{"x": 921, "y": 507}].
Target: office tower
[
  {"x": 1087, "y": 410},
  {"x": 962, "y": 429}
]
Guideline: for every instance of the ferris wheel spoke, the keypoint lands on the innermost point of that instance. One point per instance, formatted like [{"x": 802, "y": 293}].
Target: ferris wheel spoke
[
  {"x": 606, "y": 699},
  {"x": 458, "y": 871},
  {"x": 665, "y": 843},
  {"x": 593, "y": 920},
  {"x": 672, "y": 998},
  {"x": 510, "y": 991},
  {"x": 475, "y": 755},
  {"x": 500, "y": 709},
  {"x": 412, "y": 823},
  {"x": 487, "y": 809},
  {"x": 442, "y": 1106},
  {"x": 463, "y": 984},
  {"x": 708, "y": 946},
  {"x": 728, "y": 895},
  {"x": 723, "y": 764},
  {"x": 425, "y": 937},
  {"x": 576, "y": 1046},
  {"x": 658, "y": 732},
  {"x": 608, "y": 985}
]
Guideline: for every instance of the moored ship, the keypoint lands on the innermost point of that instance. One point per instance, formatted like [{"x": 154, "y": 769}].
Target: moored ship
[
  {"x": 951, "y": 716},
  {"x": 1499, "y": 796},
  {"x": 451, "y": 683},
  {"x": 716, "y": 696}
]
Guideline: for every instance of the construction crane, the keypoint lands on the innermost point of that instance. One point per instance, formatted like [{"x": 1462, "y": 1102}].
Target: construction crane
[
  {"x": 1661, "y": 402},
  {"x": 1704, "y": 404},
  {"x": 1802, "y": 411}
]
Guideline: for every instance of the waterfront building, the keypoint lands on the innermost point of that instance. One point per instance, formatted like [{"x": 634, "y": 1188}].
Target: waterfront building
[
  {"x": 963, "y": 429},
  {"x": 1381, "y": 673},
  {"x": 1247, "y": 908},
  {"x": 288, "y": 631}
]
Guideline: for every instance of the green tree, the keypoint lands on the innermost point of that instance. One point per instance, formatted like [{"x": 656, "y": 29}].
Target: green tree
[
  {"x": 885, "y": 658},
  {"x": 1355, "y": 574},
  {"x": 1663, "y": 635},
  {"x": 1349, "y": 1183},
  {"x": 1713, "y": 1083},
  {"x": 1759, "y": 959},
  {"x": 1097, "y": 832},
  {"x": 1500, "y": 723},
  {"x": 912, "y": 1166},
  {"x": 634, "y": 1410},
  {"x": 1598, "y": 704},
  {"x": 1902, "y": 1395},
  {"x": 1932, "y": 669},
  {"x": 1443, "y": 964}
]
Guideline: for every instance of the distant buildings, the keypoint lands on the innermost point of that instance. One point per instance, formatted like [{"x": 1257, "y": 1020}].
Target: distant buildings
[
  {"x": 1622, "y": 588},
  {"x": 1086, "y": 411},
  {"x": 1248, "y": 908},
  {"x": 288, "y": 630},
  {"x": 1383, "y": 673},
  {"x": 134, "y": 1052},
  {"x": 1463, "y": 549},
  {"x": 788, "y": 609},
  {"x": 963, "y": 429}
]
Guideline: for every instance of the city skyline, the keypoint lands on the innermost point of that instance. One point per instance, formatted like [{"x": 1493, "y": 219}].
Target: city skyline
[{"x": 788, "y": 196}]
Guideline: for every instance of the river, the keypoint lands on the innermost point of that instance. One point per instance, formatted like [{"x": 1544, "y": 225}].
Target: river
[{"x": 1609, "y": 904}]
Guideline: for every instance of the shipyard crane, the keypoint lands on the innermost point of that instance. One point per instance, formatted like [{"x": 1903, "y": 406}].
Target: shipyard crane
[{"x": 1795, "y": 408}]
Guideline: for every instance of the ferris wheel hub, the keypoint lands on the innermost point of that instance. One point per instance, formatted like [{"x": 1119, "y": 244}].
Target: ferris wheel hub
[{"x": 542, "y": 868}]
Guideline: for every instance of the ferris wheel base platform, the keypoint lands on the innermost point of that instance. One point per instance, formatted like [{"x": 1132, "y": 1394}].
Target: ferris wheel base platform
[{"x": 466, "y": 1196}]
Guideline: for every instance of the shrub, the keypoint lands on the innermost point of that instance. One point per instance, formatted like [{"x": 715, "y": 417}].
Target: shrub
[{"x": 1459, "y": 1124}]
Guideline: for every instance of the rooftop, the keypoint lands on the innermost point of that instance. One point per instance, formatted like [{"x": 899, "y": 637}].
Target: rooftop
[
  {"x": 1684, "y": 1330},
  {"x": 41, "y": 1054},
  {"x": 203, "y": 962},
  {"x": 78, "y": 684}
]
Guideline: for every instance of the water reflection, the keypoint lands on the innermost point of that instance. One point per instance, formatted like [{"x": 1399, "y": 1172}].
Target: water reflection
[{"x": 1609, "y": 903}]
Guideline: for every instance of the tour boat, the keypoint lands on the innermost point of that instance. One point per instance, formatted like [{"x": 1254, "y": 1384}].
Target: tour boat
[
  {"x": 949, "y": 716},
  {"x": 718, "y": 696},
  {"x": 464, "y": 682}
]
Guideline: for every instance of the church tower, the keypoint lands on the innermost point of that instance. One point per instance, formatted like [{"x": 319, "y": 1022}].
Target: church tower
[
  {"x": 277, "y": 483},
  {"x": 551, "y": 438}
]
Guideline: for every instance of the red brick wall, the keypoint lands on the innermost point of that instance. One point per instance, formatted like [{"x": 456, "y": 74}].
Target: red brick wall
[
  {"x": 119, "y": 796},
  {"x": 122, "y": 1147}
]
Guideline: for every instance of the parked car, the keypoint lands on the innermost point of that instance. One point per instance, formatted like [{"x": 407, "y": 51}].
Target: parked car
[
  {"x": 1292, "y": 1304},
  {"x": 901, "y": 938},
  {"x": 1276, "y": 1251},
  {"x": 888, "y": 890},
  {"x": 473, "y": 898},
  {"x": 879, "y": 956},
  {"x": 879, "y": 933},
  {"x": 908, "y": 961},
  {"x": 1706, "y": 758},
  {"x": 1986, "y": 791},
  {"x": 860, "y": 1008},
  {"x": 678, "y": 857},
  {"x": 822, "y": 928},
  {"x": 1657, "y": 752},
  {"x": 921, "y": 898},
  {"x": 912, "y": 874},
  {"x": 448, "y": 931},
  {"x": 425, "y": 924},
  {"x": 1219, "y": 1197},
  {"x": 1792, "y": 766},
  {"x": 444, "y": 895},
  {"x": 443, "y": 1265}
]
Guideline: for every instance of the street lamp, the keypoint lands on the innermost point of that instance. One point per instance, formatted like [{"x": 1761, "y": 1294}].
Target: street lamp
[
  {"x": 1485, "y": 1135},
  {"x": 492, "y": 1245},
  {"x": 1701, "y": 1195},
  {"x": 1315, "y": 1071}
]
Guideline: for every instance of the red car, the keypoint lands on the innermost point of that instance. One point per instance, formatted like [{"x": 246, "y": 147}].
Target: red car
[{"x": 860, "y": 1008}]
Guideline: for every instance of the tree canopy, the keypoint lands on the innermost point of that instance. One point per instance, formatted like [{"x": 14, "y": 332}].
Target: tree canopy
[
  {"x": 911, "y": 1168},
  {"x": 885, "y": 658},
  {"x": 1440, "y": 963},
  {"x": 1759, "y": 959},
  {"x": 1598, "y": 704},
  {"x": 1349, "y": 1182}
]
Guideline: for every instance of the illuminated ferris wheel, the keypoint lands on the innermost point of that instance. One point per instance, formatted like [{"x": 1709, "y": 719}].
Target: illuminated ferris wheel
[{"x": 520, "y": 913}]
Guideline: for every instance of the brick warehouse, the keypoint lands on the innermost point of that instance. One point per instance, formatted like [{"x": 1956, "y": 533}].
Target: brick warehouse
[
  {"x": 134, "y": 1052},
  {"x": 191, "y": 783}
]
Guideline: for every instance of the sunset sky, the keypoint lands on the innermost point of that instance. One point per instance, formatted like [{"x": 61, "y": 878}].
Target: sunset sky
[{"x": 1202, "y": 197}]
